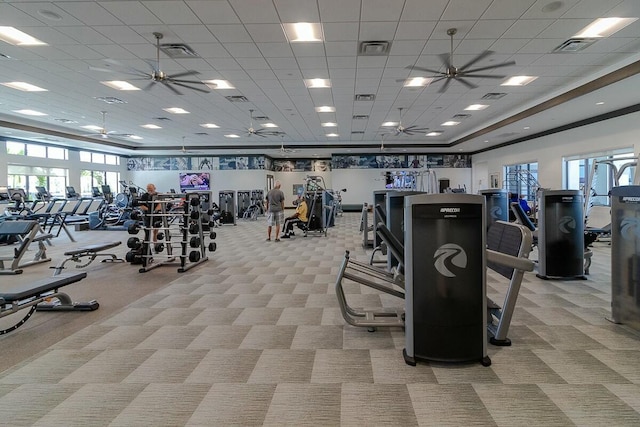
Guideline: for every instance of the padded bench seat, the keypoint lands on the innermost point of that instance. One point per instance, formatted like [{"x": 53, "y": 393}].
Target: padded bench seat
[
  {"x": 92, "y": 248},
  {"x": 40, "y": 287}
]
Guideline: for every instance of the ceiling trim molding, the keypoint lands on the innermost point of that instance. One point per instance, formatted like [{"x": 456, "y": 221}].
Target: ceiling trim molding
[{"x": 613, "y": 77}]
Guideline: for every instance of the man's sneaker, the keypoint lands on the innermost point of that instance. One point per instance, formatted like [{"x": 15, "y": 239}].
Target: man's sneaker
[{"x": 286, "y": 236}]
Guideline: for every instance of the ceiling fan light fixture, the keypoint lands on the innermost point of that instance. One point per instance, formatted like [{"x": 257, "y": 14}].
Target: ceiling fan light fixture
[{"x": 519, "y": 80}]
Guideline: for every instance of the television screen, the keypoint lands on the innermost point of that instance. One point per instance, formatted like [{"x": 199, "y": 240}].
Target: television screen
[{"x": 194, "y": 181}]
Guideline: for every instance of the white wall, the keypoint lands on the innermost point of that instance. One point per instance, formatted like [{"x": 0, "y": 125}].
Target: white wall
[
  {"x": 548, "y": 151},
  {"x": 288, "y": 179},
  {"x": 251, "y": 179}
]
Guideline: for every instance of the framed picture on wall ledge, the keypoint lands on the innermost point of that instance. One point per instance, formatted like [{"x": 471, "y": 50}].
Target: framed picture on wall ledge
[{"x": 494, "y": 181}]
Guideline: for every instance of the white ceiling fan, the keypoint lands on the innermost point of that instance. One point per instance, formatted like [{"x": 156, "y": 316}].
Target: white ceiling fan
[
  {"x": 261, "y": 132},
  {"x": 102, "y": 132},
  {"x": 156, "y": 75},
  {"x": 461, "y": 73}
]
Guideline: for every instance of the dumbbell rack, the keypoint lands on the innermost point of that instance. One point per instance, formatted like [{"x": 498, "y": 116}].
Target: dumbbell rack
[
  {"x": 157, "y": 220},
  {"x": 192, "y": 226}
]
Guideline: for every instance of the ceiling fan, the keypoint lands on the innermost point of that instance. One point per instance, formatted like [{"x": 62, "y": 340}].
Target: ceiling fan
[
  {"x": 103, "y": 131},
  {"x": 156, "y": 75},
  {"x": 410, "y": 130},
  {"x": 261, "y": 132},
  {"x": 461, "y": 73}
]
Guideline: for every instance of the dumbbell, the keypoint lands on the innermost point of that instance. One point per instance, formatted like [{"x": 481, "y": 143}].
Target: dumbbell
[
  {"x": 194, "y": 242},
  {"x": 195, "y": 201},
  {"x": 159, "y": 247},
  {"x": 194, "y": 229},
  {"x": 213, "y": 246},
  {"x": 133, "y": 228},
  {"x": 195, "y": 214},
  {"x": 212, "y": 235},
  {"x": 160, "y": 236},
  {"x": 194, "y": 256},
  {"x": 134, "y": 243}
]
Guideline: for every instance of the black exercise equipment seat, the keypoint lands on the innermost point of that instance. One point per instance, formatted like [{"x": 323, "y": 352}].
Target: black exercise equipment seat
[
  {"x": 26, "y": 232},
  {"x": 393, "y": 244},
  {"x": 90, "y": 251},
  {"x": 36, "y": 295},
  {"x": 522, "y": 217},
  {"x": 382, "y": 216}
]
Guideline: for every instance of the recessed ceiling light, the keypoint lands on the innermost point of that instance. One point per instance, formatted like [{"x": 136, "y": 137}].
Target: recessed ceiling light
[
  {"x": 210, "y": 125},
  {"x": 303, "y": 32},
  {"x": 519, "y": 80},
  {"x": 450, "y": 123},
  {"x": 175, "y": 110},
  {"x": 417, "y": 81},
  {"x": 16, "y": 37},
  {"x": 604, "y": 27},
  {"x": 151, "y": 126},
  {"x": 231, "y": 135},
  {"x": 332, "y": 135},
  {"x": 476, "y": 107},
  {"x": 325, "y": 109},
  {"x": 135, "y": 137},
  {"x": 23, "y": 86},
  {"x": 328, "y": 124},
  {"x": 389, "y": 124},
  {"x": 600, "y": 103},
  {"x": 92, "y": 127},
  {"x": 120, "y": 85},
  {"x": 269, "y": 125},
  {"x": 317, "y": 83},
  {"x": 30, "y": 112},
  {"x": 434, "y": 133},
  {"x": 526, "y": 128},
  {"x": 218, "y": 84}
]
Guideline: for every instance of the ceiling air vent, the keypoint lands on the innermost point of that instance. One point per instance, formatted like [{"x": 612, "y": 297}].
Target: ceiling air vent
[
  {"x": 374, "y": 48},
  {"x": 494, "y": 95},
  {"x": 365, "y": 97},
  {"x": 236, "y": 98},
  {"x": 574, "y": 45},
  {"x": 110, "y": 100},
  {"x": 357, "y": 132},
  {"x": 66, "y": 121},
  {"x": 165, "y": 119},
  {"x": 178, "y": 50},
  {"x": 461, "y": 116},
  {"x": 261, "y": 118},
  {"x": 360, "y": 117},
  {"x": 201, "y": 133}
]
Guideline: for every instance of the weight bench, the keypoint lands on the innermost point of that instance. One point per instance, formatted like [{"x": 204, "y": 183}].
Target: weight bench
[
  {"x": 27, "y": 232},
  {"x": 43, "y": 295},
  {"x": 91, "y": 252}
]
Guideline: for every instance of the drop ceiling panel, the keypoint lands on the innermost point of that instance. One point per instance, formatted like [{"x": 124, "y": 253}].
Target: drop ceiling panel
[
  {"x": 266, "y": 33},
  {"x": 172, "y": 12},
  {"x": 420, "y": 10},
  {"x": 339, "y": 11},
  {"x": 89, "y": 13},
  {"x": 231, "y": 33},
  {"x": 340, "y": 31},
  {"x": 462, "y": 10},
  {"x": 255, "y": 11},
  {"x": 378, "y": 31},
  {"x": 121, "y": 34},
  {"x": 131, "y": 12},
  {"x": 506, "y": 9},
  {"x": 297, "y": 10},
  {"x": 213, "y": 11}
]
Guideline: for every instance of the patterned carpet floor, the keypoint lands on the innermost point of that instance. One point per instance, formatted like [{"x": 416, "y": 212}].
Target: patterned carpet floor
[{"x": 254, "y": 336}]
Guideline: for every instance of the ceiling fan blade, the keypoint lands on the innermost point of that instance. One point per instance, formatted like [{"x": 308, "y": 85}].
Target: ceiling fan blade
[
  {"x": 445, "y": 86},
  {"x": 190, "y": 87},
  {"x": 446, "y": 59},
  {"x": 184, "y": 73},
  {"x": 130, "y": 72},
  {"x": 476, "y": 59},
  {"x": 149, "y": 85},
  {"x": 416, "y": 129},
  {"x": 171, "y": 88},
  {"x": 491, "y": 67},
  {"x": 423, "y": 69},
  {"x": 482, "y": 76},
  {"x": 195, "y": 82},
  {"x": 467, "y": 83}
]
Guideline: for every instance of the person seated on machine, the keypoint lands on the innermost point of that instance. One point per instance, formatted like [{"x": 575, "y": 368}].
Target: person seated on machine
[
  {"x": 300, "y": 216},
  {"x": 145, "y": 204},
  {"x": 525, "y": 205}
]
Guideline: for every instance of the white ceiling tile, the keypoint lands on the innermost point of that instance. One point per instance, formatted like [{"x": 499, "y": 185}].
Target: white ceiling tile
[
  {"x": 131, "y": 12},
  {"x": 490, "y": 29},
  {"x": 541, "y": 46},
  {"x": 288, "y": 73},
  {"x": 232, "y": 33},
  {"x": 89, "y": 13},
  {"x": 381, "y": 10},
  {"x": 10, "y": 15},
  {"x": 209, "y": 50},
  {"x": 317, "y": 65},
  {"x": 172, "y": 12},
  {"x": 527, "y": 29},
  {"x": 80, "y": 52},
  {"x": 537, "y": 11},
  {"x": 371, "y": 61},
  {"x": 308, "y": 49},
  {"x": 342, "y": 73},
  {"x": 340, "y": 31},
  {"x": 255, "y": 11},
  {"x": 339, "y": 11},
  {"x": 249, "y": 64},
  {"x": 243, "y": 50},
  {"x": 406, "y": 47},
  {"x": 377, "y": 31},
  {"x": 191, "y": 34},
  {"x": 564, "y": 28},
  {"x": 297, "y": 10},
  {"x": 121, "y": 34},
  {"x": 421, "y": 10},
  {"x": 213, "y": 11},
  {"x": 341, "y": 62},
  {"x": 508, "y": 46},
  {"x": 507, "y": 9},
  {"x": 336, "y": 49},
  {"x": 280, "y": 65},
  {"x": 263, "y": 33},
  {"x": 462, "y": 10},
  {"x": 414, "y": 30},
  {"x": 275, "y": 50},
  {"x": 85, "y": 35}
]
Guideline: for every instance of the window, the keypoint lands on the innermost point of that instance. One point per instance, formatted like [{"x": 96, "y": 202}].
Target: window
[
  {"x": 93, "y": 178},
  {"x": 57, "y": 153},
  {"x": 29, "y": 177},
  {"x": 85, "y": 156},
  {"x": 599, "y": 172},
  {"x": 522, "y": 179},
  {"x": 34, "y": 150},
  {"x": 17, "y": 148},
  {"x": 109, "y": 159}
]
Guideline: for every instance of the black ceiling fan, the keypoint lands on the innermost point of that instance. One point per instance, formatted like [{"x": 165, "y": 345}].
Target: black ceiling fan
[
  {"x": 102, "y": 132},
  {"x": 156, "y": 75},
  {"x": 461, "y": 73},
  {"x": 261, "y": 132},
  {"x": 410, "y": 130}
]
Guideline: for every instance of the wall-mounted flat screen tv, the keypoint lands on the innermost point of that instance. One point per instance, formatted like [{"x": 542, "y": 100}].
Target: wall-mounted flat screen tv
[{"x": 194, "y": 181}]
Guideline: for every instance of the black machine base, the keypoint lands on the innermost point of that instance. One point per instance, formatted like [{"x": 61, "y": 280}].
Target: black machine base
[
  {"x": 561, "y": 278},
  {"x": 76, "y": 306},
  {"x": 501, "y": 343},
  {"x": 412, "y": 361}
]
